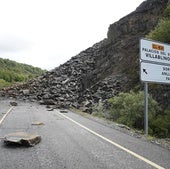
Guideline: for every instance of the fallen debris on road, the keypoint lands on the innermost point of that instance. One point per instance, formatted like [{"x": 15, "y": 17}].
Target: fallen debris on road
[
  {"x": 13, "y": 103},
  {"x": 22, "y": 139},
  {"x": 50, "y": 109},
  {"x": 63, "y": 111},
  {"x": 38, "y": 123}
]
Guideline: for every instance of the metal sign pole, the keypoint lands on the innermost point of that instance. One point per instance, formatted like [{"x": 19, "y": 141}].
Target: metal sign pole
[{"x": 146, "y": 109}]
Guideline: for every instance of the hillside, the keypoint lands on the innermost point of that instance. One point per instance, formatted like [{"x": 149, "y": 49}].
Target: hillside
[
  {"x": 11, "y": 72},
  {"x": 103, "y": 70}
]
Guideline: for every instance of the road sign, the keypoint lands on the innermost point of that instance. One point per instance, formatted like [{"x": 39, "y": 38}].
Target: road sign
[
  {"x": 154, "y": 51},
  {"x": 155, "y": 73}
]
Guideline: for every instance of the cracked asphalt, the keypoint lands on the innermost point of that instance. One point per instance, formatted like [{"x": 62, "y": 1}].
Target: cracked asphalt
[{"x": 72, "y": 141}]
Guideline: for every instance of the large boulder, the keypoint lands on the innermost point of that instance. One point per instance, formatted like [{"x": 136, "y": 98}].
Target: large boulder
[{"x": 22, "y": 139}]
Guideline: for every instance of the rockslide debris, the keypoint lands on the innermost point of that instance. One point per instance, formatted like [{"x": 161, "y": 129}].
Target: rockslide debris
[{"x": 101, "y": 71}]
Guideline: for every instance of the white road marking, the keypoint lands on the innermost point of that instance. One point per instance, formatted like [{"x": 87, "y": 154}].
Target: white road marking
[
  {"x": 115, "y": 144},
  {"x": 3, "y": 118}
]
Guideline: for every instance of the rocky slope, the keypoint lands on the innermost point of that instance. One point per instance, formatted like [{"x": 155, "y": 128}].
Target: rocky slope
[{"x": 101, "y": 71}]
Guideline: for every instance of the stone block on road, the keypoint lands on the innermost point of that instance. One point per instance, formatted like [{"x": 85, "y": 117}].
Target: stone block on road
[{"x": 22, "y": 139}]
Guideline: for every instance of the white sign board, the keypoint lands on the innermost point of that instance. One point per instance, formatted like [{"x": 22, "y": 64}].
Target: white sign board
[
  {"x": 155, "y": 73},
  {"x": 154, "y": 51}
]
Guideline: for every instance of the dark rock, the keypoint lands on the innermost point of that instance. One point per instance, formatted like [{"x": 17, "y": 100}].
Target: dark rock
[
  {"x": 63, "y": 111},
  {"x": 26, "y": 92},
  {"x": 22, "y": 139},
  {"x": 13, "y": 103},
  {"x": 48, "y": 102},
  {"x": 86, "y": 110}
]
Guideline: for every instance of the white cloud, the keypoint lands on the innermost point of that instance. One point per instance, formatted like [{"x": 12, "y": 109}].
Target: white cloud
[
  {"x": 46, "y": 33},
  {"x": 11, "y": 43}
]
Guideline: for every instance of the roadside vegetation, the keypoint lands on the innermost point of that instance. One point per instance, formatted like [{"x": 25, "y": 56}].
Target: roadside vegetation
[
  {"x": 12, "y": 72},
  {"x": 128, "y": 109}
]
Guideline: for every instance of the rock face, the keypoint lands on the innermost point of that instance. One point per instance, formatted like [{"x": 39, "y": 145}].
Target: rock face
[{"x": 101, "y": 71}]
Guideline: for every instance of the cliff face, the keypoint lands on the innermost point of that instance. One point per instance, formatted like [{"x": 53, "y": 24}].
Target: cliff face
[
  {"x": 125, "y": 34},
  {"x": 101, "y": 71},
  {"x": 138, "y": 22}
]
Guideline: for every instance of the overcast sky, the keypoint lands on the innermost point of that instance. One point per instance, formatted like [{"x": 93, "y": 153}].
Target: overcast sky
[{"x": 47, "y": 33}]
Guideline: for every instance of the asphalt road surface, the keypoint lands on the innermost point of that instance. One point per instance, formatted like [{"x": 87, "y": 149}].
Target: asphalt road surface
[{"x": 71, "y": 141}]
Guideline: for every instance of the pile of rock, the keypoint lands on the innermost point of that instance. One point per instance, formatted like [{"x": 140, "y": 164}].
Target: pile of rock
[
  {"x": 74, "y": 84},
  {"x": 99, "y": 72}
]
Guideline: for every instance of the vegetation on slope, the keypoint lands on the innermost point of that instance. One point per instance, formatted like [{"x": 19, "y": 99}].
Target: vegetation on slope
[
  {"x": 11, "y": 72},
  {"x": 162, "y": 31}
]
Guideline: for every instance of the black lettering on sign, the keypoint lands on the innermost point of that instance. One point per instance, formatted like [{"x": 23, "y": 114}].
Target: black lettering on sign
[
  {"x": 166, "y": 69},
  {"x": 168, "y": 78}
]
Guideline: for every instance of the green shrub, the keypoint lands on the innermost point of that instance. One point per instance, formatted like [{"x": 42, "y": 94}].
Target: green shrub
[
  {"x": 128, "y": 109},
  {"x": 161, "y": 125},
  {"x": 162, "y": 30},
  {"x": 166, "y": 13},
  {"x": 3, "y": 84}
]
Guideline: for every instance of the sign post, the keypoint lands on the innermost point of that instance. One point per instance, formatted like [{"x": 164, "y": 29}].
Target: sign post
[
  {"x": 154, "y": 67},
  {"x": 146, "y": 109}
]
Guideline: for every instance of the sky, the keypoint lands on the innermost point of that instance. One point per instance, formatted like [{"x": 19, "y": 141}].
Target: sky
[{"x": 47, "y": 33}]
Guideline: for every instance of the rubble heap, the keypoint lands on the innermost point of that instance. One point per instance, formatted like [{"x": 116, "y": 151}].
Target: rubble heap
[{"x": 99, "y": 72}]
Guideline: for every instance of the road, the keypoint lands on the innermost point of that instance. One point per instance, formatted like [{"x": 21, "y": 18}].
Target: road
[{"x": 72, "y": 141}]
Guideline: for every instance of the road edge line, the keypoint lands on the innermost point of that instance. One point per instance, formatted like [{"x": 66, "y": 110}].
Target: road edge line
[
  {"x": 5, "y": 115},
  {"x": 115, "y": 144}
]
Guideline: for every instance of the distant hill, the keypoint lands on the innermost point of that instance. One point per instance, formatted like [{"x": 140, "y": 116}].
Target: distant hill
[{"x": 12, "y": 72}]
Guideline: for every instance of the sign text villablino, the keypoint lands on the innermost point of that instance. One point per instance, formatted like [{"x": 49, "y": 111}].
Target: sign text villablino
[{"x": 155, "y": 52}]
